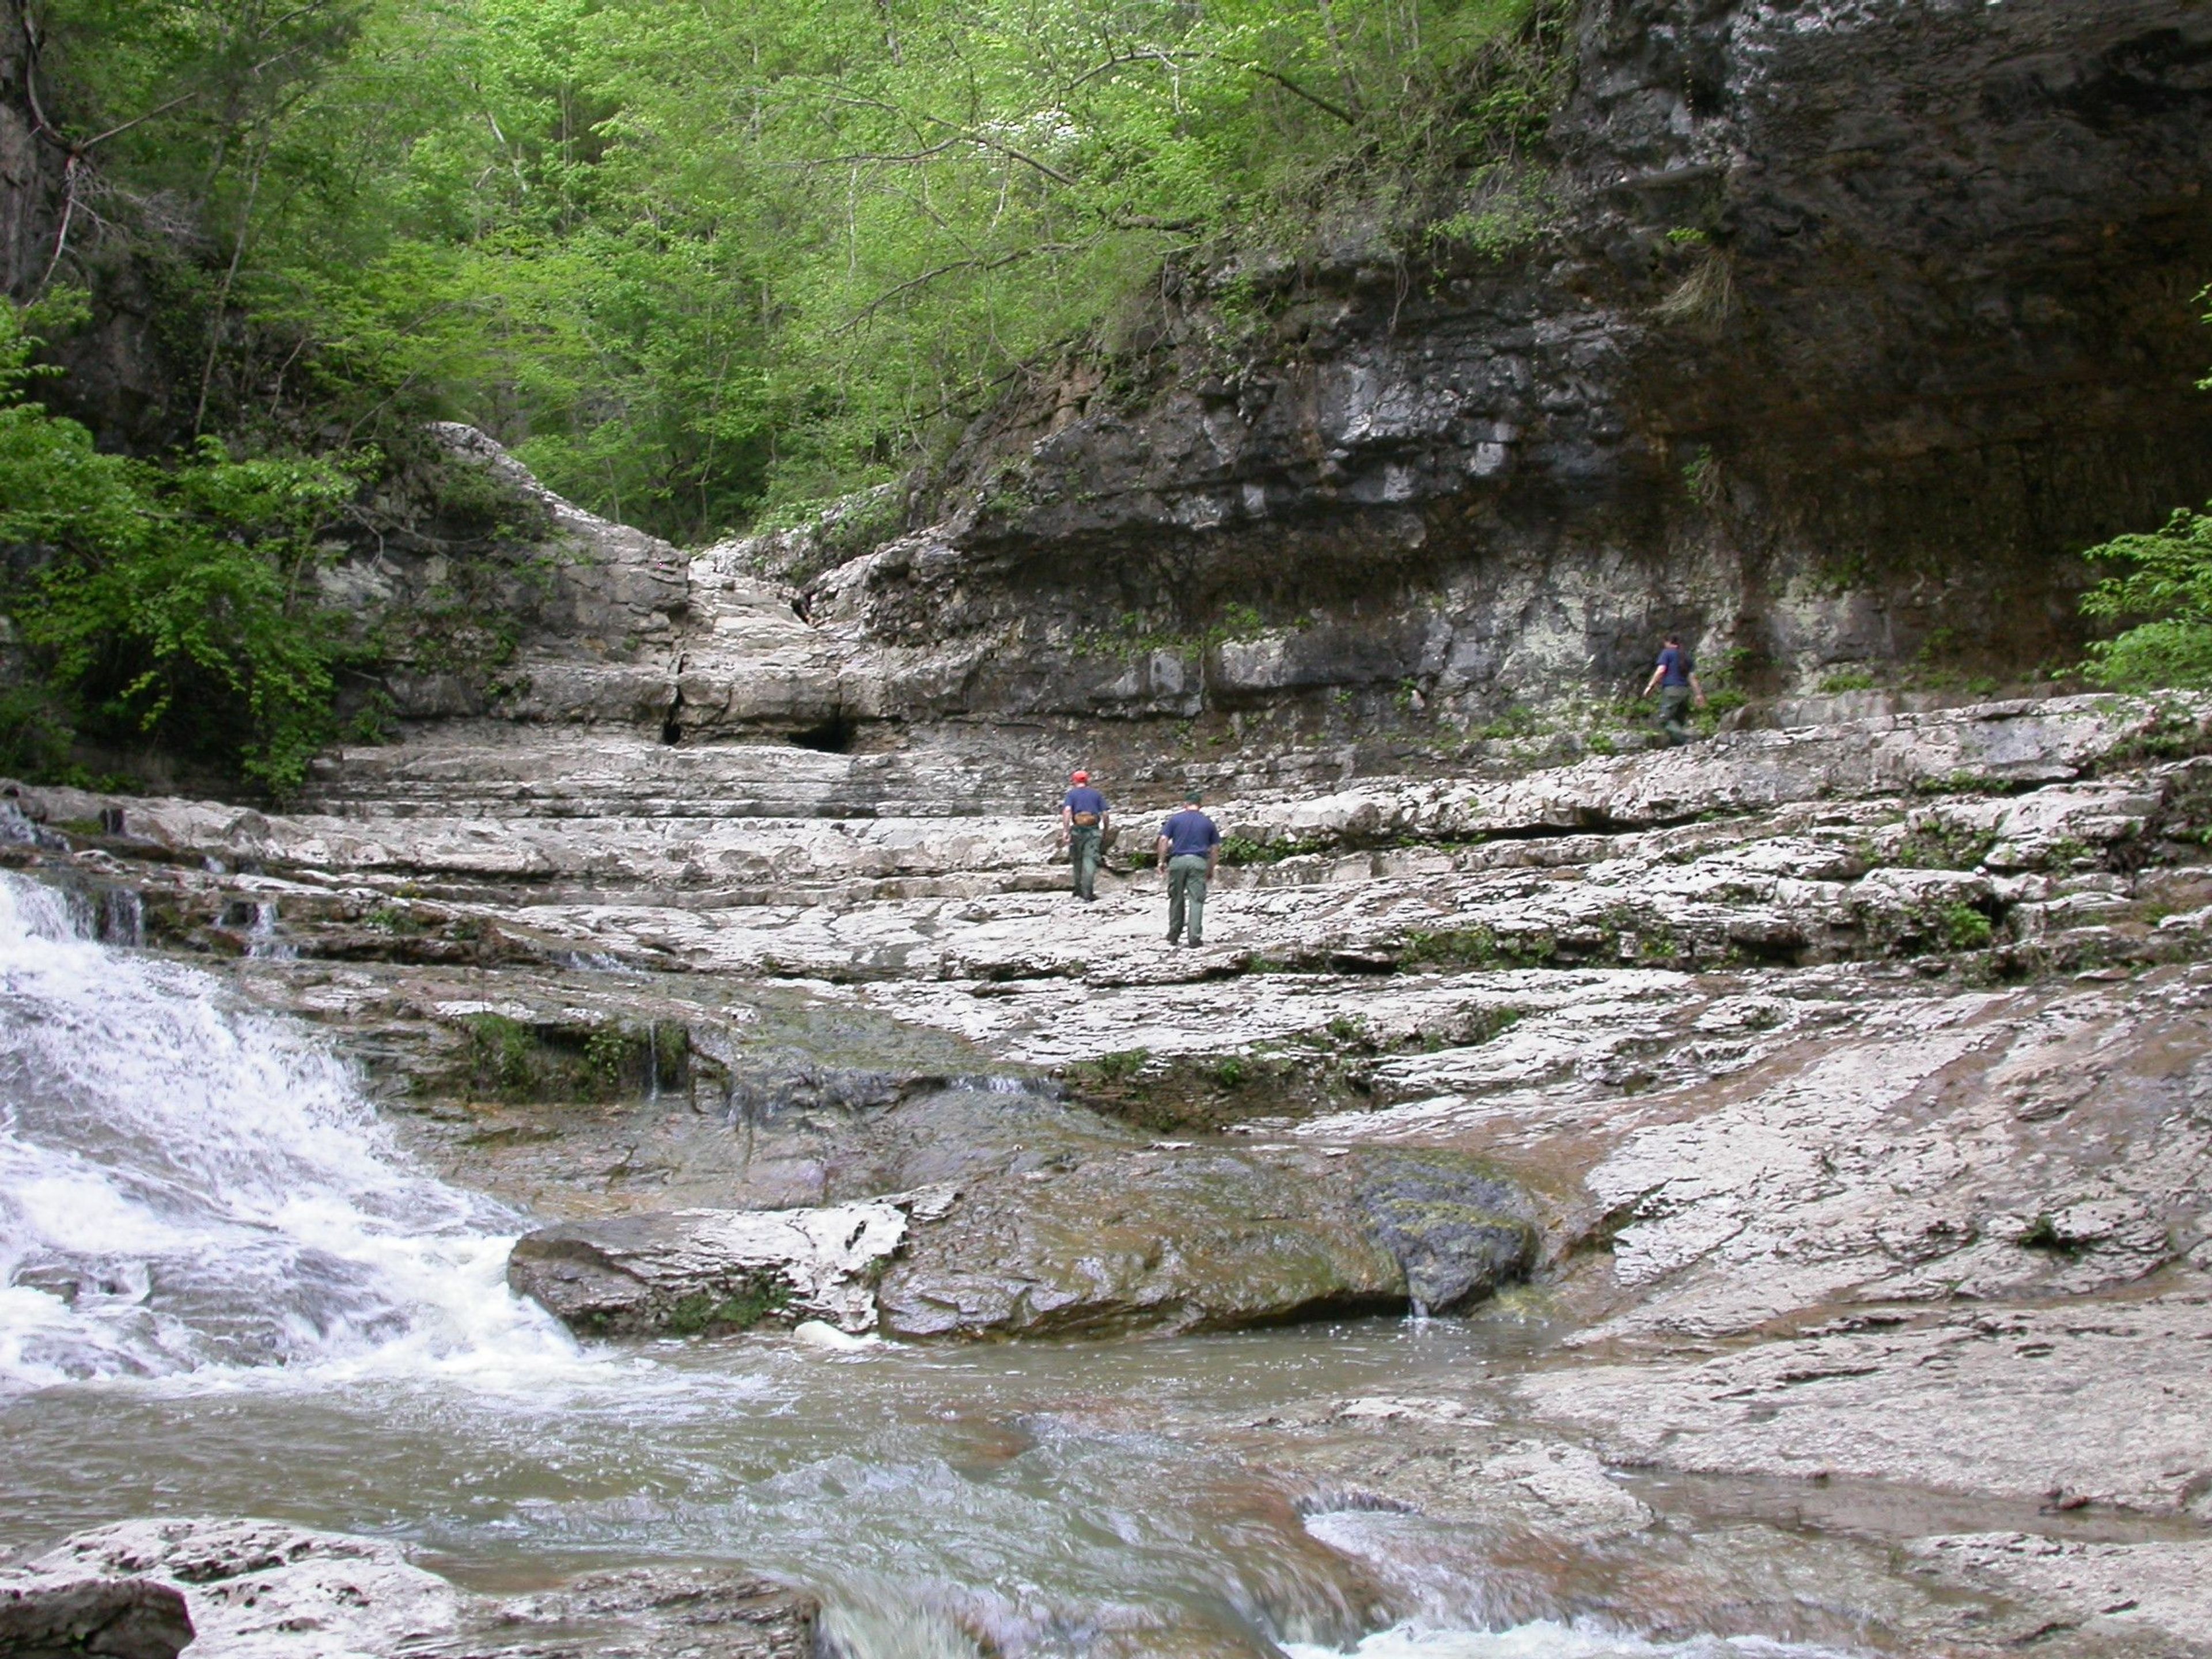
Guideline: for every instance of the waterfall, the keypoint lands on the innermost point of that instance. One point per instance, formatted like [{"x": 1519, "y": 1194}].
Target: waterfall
[
  {"x": 188, "y": 1186},
  {"x": 262, "y": 939}
]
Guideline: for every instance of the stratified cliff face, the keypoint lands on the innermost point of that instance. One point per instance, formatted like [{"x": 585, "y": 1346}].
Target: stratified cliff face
[{"x": 1854, "y": 320}]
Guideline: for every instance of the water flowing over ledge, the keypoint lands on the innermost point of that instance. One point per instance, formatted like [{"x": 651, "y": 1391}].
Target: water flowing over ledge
[{"x": 190, "y": 1188}]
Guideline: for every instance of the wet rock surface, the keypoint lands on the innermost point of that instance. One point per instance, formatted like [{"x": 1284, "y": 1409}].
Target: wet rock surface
[
  {"x": 649, "y": 1612},
  {"x": 145, "y": 1590},
  {"x": 1815, "y": 1116},
  {"x": 122, "y": 1618}
]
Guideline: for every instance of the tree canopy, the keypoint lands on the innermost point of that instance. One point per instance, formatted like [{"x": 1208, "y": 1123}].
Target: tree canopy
[{"x": 696, "y": 259}]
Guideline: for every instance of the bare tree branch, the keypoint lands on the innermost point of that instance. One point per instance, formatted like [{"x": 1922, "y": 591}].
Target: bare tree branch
[{"x": 946, "y": 269}]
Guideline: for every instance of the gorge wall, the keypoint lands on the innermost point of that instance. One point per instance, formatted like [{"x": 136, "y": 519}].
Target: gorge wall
[
  {"x": 1827, "y": 333},
  {"x": 1839, "y": 329}
]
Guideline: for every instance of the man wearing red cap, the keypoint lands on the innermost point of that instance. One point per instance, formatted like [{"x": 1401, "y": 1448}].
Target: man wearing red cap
[{"x": 1083, "y": 818}]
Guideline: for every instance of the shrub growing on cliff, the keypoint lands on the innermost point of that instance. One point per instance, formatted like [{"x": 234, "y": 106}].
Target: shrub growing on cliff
[
  {"x": 171, "y": 604},
  {"x": 2166, "y": 581}
]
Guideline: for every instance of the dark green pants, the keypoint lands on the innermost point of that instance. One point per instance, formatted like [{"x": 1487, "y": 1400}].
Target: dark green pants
[
  {"x": 1083, "y": 853},
  {"x": 1187, "y": 896},
  {"x": 1674, "y": 713}
]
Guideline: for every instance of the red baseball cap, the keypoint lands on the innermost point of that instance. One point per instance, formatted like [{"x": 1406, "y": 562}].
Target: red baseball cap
[{"x": 1078, "y": 777}]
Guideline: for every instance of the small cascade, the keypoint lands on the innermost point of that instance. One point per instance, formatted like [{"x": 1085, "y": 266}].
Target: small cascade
[
  {"x": 262, "y": 939},
  {"x": 186, "y": 1185},
  {"x": 1000, "y": 1082},
  {"x": 590, "y": 961},
  {"x": 15, "y": 829},
  {"x": 122, "y": 917},
  {"x": 653, "y": 1061}
]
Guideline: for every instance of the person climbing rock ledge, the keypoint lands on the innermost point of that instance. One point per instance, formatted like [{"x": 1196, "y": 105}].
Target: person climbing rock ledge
[{"x": 1675, "y": 679}]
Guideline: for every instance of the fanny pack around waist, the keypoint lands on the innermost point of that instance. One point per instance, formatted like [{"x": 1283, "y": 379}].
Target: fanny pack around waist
[{"x": 1086, "y": 820}]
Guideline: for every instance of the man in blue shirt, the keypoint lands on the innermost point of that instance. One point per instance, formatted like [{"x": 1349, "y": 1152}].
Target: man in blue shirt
[
  {"x": 1083, "y": 818},
  {"x": 1675, "y": 679},
  {"x": 1189, "y": 848}
]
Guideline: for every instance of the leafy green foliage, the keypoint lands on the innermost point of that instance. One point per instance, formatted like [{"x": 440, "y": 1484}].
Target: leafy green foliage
[
  {"x": 692, "y": 260},
  {"x": 1272, "y": 849},
  {"x": 2166, "y": 580},
  {"x": 170, "y": 605},
  {"x": 1963, "y": 927}
]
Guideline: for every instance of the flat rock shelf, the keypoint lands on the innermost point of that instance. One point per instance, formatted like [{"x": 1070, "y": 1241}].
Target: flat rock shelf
[{"x": 1752, "y": 1190}]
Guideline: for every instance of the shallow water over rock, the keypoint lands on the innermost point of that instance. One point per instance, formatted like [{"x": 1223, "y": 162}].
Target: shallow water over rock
[
  {"x": 1864, "y": 1301},
  {"x": 229, "y": 1294}
]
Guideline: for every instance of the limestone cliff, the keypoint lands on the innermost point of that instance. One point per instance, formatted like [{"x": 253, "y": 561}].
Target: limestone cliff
[{"x": 1842, "y": 325}]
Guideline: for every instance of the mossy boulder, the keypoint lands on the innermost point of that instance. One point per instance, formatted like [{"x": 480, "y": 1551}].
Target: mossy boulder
[{"x": 1198, "y": 1237}]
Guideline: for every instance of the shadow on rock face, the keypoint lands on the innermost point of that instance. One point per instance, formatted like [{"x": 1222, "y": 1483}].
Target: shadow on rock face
[{"x": 119, "y": 1618}]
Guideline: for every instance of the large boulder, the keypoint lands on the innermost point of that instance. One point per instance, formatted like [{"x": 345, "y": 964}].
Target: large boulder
[
  {"x": 1088, "y": 1233},
  {"x": 1173, "y": 1239}
]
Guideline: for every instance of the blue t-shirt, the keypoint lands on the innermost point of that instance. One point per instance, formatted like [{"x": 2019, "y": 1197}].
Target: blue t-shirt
[
  {"x": 1190, "y": 831},
  {"x": 1084, "y": 799},
  {"x": 1675, "y": 666}
]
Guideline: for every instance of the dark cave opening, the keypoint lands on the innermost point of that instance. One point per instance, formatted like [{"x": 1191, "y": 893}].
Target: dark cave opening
[{"x": 833, "y": 736}]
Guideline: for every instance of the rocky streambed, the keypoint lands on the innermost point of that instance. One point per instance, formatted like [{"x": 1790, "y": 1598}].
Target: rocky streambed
[{"x": 1751, "y": 1191}]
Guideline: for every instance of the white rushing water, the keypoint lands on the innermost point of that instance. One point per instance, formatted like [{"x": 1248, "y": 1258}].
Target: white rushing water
[{"x": 188, "y": 1188}]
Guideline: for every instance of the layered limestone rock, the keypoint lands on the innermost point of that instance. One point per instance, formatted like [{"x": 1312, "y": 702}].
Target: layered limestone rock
[
  {"x": 1848, "y": 1081},
  {"x": 1827, "y": 333}
]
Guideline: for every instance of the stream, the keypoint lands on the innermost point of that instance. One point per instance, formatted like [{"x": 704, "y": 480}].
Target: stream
[{"x": 224, "y": 1290}]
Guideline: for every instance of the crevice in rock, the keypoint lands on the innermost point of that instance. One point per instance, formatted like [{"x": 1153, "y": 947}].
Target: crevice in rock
[
  {"x": 833, "y": 736},
  {"x": 671, "y": 723}
]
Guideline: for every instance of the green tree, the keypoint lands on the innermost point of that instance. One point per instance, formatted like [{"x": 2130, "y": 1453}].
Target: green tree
[
  {"x": 165, "y": 605},
  {"x": 2168, "y": 582},
  {"x": 691, "y": 259}
]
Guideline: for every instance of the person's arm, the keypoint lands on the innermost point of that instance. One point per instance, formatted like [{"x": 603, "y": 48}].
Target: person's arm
[
  {"x": 1652, "y": 685},
  {"x": 1697, "y": 689},
  {"x": 1066, "y": 821},
  {"x": 1163, "y": 850}
]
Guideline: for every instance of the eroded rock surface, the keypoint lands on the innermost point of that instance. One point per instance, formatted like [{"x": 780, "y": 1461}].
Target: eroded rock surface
[
  {"x": 688, "y": 1271},
  {"x": 261, "y": 1590}
]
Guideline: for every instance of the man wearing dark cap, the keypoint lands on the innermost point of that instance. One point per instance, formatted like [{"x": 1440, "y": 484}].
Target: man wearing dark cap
[
  {"x": 1083, "y": 818},
  {"x": 1189, "y": 848}
]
